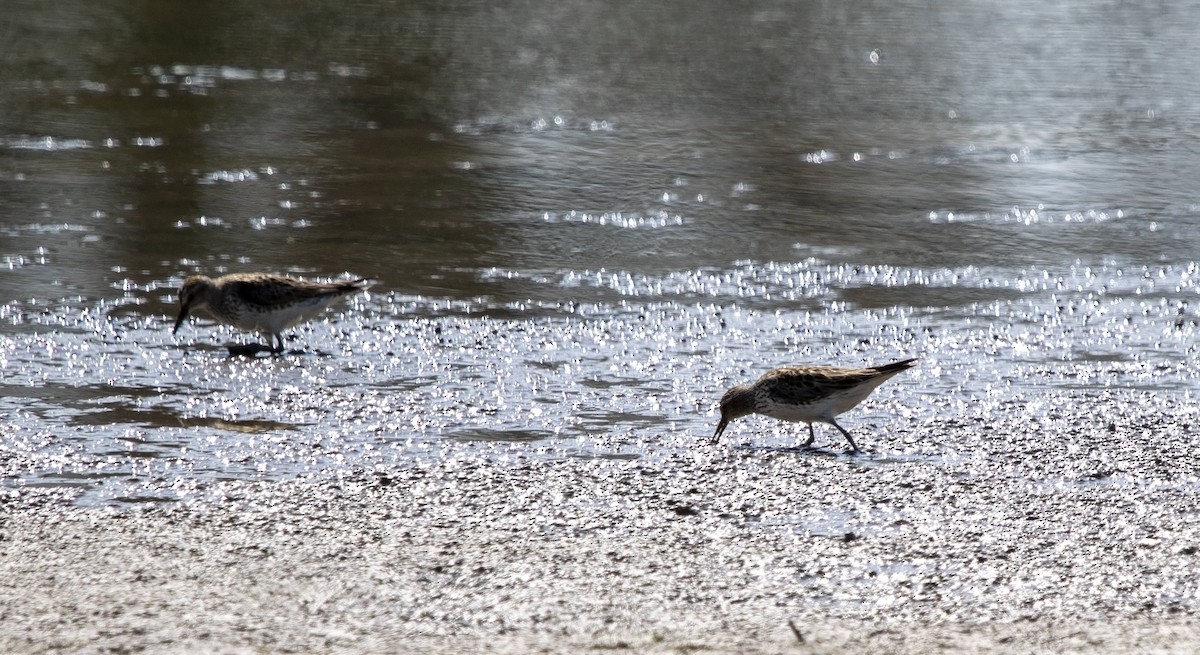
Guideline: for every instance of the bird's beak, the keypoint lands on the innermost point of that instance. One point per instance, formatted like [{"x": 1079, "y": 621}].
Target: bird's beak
[
  {"x": 183, "y": 312},
  {"x": 720, "y": 428}
]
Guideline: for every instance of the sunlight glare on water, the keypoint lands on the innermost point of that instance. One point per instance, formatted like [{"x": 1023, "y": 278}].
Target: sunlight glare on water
[{"x": 391, "y": 378}]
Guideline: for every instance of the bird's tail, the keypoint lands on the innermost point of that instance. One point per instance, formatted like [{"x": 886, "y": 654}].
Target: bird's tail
[
  {"x": 896, "y": 367},
  {"x": 360, "y": 284}
]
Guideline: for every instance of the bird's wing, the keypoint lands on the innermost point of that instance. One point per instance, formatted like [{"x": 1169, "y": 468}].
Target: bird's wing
[
  {"x": 285, "y": 291},
  {"x": 807, "y": 384}
]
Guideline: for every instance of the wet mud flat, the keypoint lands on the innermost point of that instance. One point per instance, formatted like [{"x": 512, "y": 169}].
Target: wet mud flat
[{"x": 991, "y": 533}]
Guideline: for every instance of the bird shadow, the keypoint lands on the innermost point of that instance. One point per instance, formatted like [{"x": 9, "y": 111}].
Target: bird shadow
[
  {"x": 815, "y": 451},
  {"x": 252, "y": 350},
  {"x": 863, "y": 458},
  {"x": 249, "y": 349}
]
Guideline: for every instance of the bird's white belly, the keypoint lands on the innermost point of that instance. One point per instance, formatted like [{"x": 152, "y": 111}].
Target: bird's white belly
[
  {"x": 280, "y": 318},
  {"x": 796, "y": 413}
]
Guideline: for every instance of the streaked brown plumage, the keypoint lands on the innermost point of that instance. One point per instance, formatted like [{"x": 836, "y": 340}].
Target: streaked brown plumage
[
  {"x": 261, "y": 302},
  {"x": 806, "y": 393}
]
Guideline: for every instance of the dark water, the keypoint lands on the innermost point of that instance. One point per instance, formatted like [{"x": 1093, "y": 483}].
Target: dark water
[{"x": 587, "y": 220}]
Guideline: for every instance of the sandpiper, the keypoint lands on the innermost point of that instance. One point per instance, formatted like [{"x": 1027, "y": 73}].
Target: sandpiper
[
  {"x": 806, "y": 393},
  {"x": 261, "y": 302}
]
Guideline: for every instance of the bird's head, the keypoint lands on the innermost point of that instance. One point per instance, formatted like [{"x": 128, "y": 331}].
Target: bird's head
[
  {"x": 192, "y": 295},
  {"x": 736, "y": 403}
]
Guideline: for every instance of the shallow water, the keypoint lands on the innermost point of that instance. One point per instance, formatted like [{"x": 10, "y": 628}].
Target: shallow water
[{"x": 586, "y": 222}]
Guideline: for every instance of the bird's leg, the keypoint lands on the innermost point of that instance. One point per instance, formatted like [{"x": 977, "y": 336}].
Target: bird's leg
[
  {"x": 853, "y": 446},
  {"x": 811, "y": 435},
  {"x": 278, "y": 338}
]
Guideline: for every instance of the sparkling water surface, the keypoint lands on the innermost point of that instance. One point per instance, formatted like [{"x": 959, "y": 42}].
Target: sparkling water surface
[{"x": 586, "y": 223}]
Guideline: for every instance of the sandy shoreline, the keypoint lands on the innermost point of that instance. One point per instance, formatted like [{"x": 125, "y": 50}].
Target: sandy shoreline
[{"x": 513, "y": 557}]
